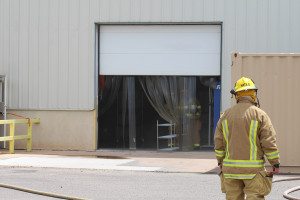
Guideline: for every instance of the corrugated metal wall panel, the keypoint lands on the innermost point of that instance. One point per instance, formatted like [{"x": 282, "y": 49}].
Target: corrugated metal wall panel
[
  {"x": 63, "y": 54},
  {"x": 187, "y": 6},
  {"x": 177, "y": 14},
  {"x": 53, "y": 54},
  {"x": 56, "y": 40},
  {"x": 125, "y": 10},
  {"x": 4, "y": 30},
  {"x": 73, "y": 54},
  {"x": 1, "y": 32},
  {"x": 261, "y": 30},
  {"x": 33, "y": 52},
  {"x": 14, "y": 30},
  {"x": 241, "y": 25},
  {"x": 135, "y": 10},
  {"x": 114, "y": 11},
  {"x": 146, "y": 11},
  {"x": 276, "y": 77},
  {"x": 229, "y": 43},
  {"x": 294, "y": 29},
  {"x": 43, "y": 55},
  {"x": 251, "y": 24},
  {"x": 209, "y": 11},
  {"x": 104, "y": 11},
  {"x": 156, "y": 11},
  {"x": 24, "y": 56},
  {"x": 273, "y": 28},
  {"x": 94, "y": 17},
  {"x": 284, "y": 21},
  {"x": 198, "y": 10},
  {"x": 219, "y": 10},
  {"x": 84, "y": 37},
  {"x": 166, "y": 11}
]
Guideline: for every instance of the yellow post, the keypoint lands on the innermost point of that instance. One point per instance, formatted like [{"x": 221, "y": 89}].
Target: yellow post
[
  {"x": 11, "y": 138},
  {"x": 12, "y": 134},
  {"x": 29, "y": 133}
]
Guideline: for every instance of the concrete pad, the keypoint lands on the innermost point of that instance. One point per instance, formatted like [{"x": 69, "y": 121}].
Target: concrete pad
[
  {"x": 186, "y": 162},
  {"x": 181, "y": 165},
  {"x": 74, "y": 163}
]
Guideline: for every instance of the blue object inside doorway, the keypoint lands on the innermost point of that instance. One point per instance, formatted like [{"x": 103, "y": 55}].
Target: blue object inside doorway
[{"x": 217, "y": 99}]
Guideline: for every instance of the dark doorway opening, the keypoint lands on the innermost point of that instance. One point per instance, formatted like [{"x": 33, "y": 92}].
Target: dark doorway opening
[
  {"x": 115, "y": 124},
  {"x": 113, "y": 134}
]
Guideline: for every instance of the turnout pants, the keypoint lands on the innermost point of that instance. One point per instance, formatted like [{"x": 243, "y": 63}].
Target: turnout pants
[{"x": 254, "y": 189}]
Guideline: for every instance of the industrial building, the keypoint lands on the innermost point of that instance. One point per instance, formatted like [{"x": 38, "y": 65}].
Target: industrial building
[{"x": 122, "y": 74}]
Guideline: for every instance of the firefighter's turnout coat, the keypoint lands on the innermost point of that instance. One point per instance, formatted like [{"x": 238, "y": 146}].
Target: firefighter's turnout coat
[{"x": 244, "y": 135}]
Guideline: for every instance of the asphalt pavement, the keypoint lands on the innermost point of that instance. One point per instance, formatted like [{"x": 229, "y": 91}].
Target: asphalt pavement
[
  {"x": 114, "y": 184},
  {"x": 113, "y": 174}
]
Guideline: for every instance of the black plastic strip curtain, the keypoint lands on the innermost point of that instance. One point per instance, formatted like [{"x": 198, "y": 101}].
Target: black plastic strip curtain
[
  {"x": 170, "y": 96},
  {"x": 110, "y": 92}
]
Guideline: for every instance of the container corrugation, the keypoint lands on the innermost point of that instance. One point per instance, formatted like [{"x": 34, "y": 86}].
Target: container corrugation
[{"x": 276, "y": 76}]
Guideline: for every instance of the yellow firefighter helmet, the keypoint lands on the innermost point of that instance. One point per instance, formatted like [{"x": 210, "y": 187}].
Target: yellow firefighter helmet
[{"x": 244, "y": 84}]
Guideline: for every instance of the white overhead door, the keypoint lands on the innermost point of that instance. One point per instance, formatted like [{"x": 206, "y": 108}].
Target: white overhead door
[{"x": 160, "y": 49}]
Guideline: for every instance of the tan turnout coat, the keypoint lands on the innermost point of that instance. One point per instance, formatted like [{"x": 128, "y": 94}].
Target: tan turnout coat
[{"x": 244, "y": 135}]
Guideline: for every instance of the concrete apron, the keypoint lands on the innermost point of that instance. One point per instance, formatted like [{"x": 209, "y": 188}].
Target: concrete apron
[
  {"x": 193, "y": 162},
  {"x": 185, "y": 162}
]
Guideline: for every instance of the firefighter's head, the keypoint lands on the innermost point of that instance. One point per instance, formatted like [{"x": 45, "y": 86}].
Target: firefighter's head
[{"x": 244, "y": 87}]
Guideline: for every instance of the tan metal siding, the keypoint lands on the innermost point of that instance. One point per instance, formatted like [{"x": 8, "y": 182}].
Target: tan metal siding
[
  {"x": 276, "y": 76},
  {"x": 48, "y": 45}
]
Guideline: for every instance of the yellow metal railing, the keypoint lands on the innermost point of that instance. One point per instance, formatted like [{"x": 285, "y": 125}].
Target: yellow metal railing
[{"x": 11, "y": 138}]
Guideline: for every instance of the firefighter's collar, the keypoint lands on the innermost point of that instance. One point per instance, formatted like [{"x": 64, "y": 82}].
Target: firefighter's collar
[{"x": 246, "y": 99}]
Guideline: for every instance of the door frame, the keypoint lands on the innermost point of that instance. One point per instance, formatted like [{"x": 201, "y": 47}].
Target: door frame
[{"x": 97, "y": 59}]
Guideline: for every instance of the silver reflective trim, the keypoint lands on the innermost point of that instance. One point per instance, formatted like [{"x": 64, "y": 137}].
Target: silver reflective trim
[
  {"x": 222, "y": 154},
  {"x": 272, "y": 155},
  {"x": 243, "y": 163},
  {"x": 238, "y": 176}
]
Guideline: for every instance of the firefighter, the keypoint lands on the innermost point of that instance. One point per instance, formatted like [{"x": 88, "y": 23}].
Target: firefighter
[
  {"x": 244, "y": 135},
  {"x": 195, "y": 114}
]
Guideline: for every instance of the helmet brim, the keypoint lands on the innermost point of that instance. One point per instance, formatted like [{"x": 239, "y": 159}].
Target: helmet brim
[{"x": 244, "y": 89}]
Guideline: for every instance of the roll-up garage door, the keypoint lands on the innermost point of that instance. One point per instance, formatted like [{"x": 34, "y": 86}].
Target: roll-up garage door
[{"x": 160, "y": 50}]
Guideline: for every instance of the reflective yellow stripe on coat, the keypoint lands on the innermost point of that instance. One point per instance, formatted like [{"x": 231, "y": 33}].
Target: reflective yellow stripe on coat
[
  {"x": 220, "y": 153},
  {"x": 243, "y": 163},
  {"x": 252, "y": 139},
  {"x": 225, "y": 133},
  {"x": 272, "y": 155}
]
